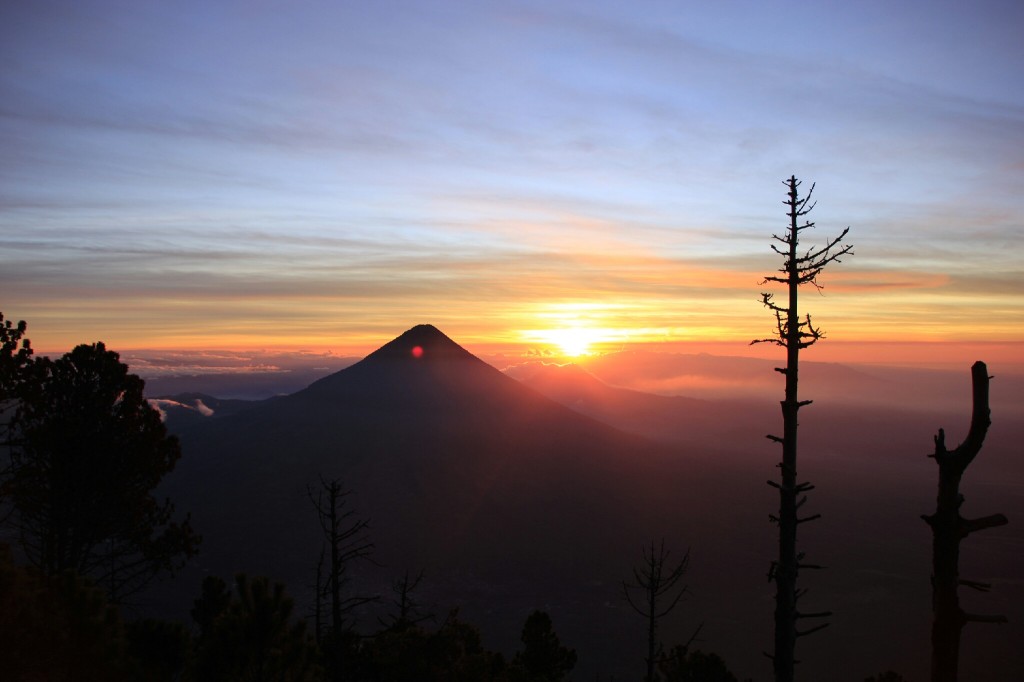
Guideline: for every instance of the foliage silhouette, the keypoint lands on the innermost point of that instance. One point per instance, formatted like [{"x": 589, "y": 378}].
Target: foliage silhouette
[
  {"x": 160, "y": 649},
  {"x": 794, "y": 335},
  {"x": 58, "y": 627},
  {"x": 252, "y": 637},
  {"x": 683, "y": 665},
  {"x": 90, "y": 451},
  {"x": 213, "y": 600},
  {"x": 887, "y": 676},
  {"x": 453, "y": 653},
  {"x": 543, "y": 658},
  {"x": 15, "y": 357}
]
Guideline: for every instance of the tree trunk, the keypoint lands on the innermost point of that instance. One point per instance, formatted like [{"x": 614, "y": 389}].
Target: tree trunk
[
  {"x": 652, "y": 632},
  {"x": 793, "y": 334},
  {"x": 336, "y": 568},
  {"x": 786, "y": 570},
  {"x": 948, "y": 529}
]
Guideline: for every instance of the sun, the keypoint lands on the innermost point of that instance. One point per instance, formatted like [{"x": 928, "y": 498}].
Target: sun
[
  {"x": 573, "y": 341},
  {"x": 572, "y": 330}
]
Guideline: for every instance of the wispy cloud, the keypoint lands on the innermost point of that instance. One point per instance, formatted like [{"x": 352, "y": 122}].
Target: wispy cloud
[{"x": 184, "y": 176}]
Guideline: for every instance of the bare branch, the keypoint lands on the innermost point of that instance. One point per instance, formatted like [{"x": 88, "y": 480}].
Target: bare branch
[
  {"x": 693, "y": 637},
  {"x": 975, "y": 585},
  {"x": 991, "y": 521},
  {"x": 976, "y": 618},
  {"x": 811, "y": 631},
  {"x": 820, "y": 614}
]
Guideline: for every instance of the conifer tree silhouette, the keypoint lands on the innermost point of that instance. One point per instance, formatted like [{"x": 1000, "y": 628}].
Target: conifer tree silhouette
[
  {"x": 88, "y": 452},
  {"x": 949, "y": 528},
  {"x": 794, "y": 334},
  {"x": 251, "y": 635},
  {"x": 543, "y": 658}
]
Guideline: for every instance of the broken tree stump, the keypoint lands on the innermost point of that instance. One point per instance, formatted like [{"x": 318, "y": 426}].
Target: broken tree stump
[{"x": 949, "y": 528}]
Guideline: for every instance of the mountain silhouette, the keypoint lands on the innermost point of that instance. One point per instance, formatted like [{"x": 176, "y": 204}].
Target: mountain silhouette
[
  {"x": 420, "y": 370},
  {"x": 505, "y": 498},
  {"x": 509, "y": 501}
]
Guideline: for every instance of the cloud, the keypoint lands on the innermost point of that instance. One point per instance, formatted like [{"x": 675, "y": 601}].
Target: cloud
[
  {"x": 163, "y": 405},
  {"x": 183, "y": 363},
  {"x": 475, "y": 164},
  {"x": 160, "y": 404}
]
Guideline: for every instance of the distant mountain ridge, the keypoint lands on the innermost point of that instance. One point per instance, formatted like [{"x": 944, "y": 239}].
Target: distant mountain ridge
[
  {"x": 666, "y": 418},
  {"x": 181, "y": 410}
]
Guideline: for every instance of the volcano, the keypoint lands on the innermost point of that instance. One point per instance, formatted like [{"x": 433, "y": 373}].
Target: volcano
[
  {"x": 442, "y": 451},
  {"x": 507, "y": 500}
]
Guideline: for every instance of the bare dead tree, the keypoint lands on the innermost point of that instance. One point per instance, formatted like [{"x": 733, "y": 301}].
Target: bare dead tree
[
  {"x": 949, "y": 528},
  {"x": 794, "y": 334},
  {"x": 345, "y": 541},
  {"x": 408, "y": 609},
  {"x": 655, "y": 581}
]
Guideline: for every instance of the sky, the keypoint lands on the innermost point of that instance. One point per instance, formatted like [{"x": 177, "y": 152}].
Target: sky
[{"x": 530, "y": 177}]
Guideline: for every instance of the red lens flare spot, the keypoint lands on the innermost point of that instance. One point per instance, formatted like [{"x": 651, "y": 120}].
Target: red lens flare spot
[{"x": 417, "y": 351}]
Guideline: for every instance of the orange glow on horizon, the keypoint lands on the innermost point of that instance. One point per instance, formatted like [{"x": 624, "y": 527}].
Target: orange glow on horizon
[
  {"x": 1000, "y": 356},
  {"x": 881, "y": 315},
  {"x": 574, "y": 342}
]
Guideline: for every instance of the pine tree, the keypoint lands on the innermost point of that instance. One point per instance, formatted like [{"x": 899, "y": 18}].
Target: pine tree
[
  {"x": 543, "y": 658},
  {"x": 251, "y": 635},
  {"x": 87, "y": 453}
]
